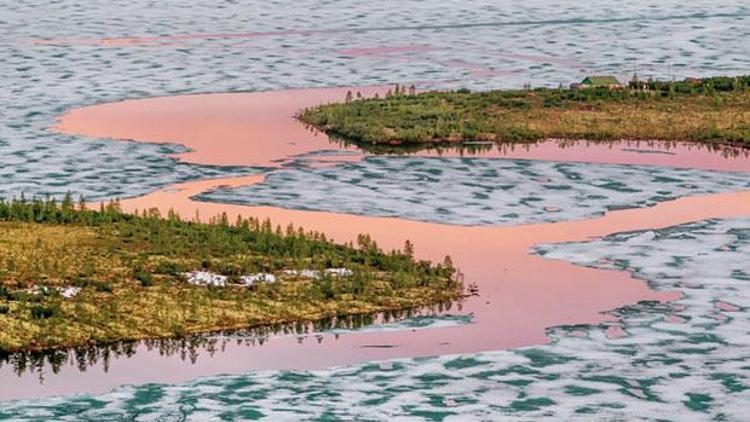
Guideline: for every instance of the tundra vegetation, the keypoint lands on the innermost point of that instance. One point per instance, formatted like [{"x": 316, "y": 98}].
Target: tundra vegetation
[
  {"x": 712, "y": 110},
  {"x": 70, "y": 276}
]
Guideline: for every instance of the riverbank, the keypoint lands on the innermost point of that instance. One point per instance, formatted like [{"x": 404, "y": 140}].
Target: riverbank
[
  {"x": 710, "y": 110},
  {"x": 70, "y": 276},
  {"x": 521, "y": 294}
]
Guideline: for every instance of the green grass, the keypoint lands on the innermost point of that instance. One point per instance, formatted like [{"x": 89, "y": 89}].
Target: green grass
[
  {"x": 711, "y": 110},
  {"x": 130, "y": 270}
]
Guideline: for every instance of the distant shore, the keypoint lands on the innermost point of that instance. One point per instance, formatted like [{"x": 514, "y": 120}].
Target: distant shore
[{"x": 710, "y": 110}]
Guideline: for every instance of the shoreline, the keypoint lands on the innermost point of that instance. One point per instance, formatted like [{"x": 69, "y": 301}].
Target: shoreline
[
  {"x": 259, "y": 129},
  {"x": 75, "y": 277},
  {"x": 522, "y": 295},
  {"x": 711, "y": 111}
]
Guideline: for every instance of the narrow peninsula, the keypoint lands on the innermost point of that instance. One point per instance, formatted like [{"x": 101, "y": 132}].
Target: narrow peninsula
[
  {"x": 70, "y": 276},
  {"x": 712, "y": 110}
]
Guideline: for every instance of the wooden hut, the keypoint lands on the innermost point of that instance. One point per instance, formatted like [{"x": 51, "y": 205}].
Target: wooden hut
[{"x": 600, "y": 81}]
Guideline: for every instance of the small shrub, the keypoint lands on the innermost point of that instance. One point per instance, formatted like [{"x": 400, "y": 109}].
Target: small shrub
[
  {"x": 81, "y": 282},
  {"x": 42, "y": 312},
  {"x": 103, "y": 286},
  {"x": 170, "y": 266},
  {"x": 4, "y": 308},
  {"x": 145, "y": 278},
  {"x": 5, "y": 293}
]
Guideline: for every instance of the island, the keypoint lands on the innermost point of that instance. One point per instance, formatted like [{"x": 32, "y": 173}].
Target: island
[
  {"x": 72, "y": 276},
  {"x": 713, "y": 110}
]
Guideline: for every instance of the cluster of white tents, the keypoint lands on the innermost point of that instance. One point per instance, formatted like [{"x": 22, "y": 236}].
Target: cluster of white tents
[
  {"x": 206, "y": 278},
  {"x": 67, "y": 292},
  {"x": 336, "y": 272}
]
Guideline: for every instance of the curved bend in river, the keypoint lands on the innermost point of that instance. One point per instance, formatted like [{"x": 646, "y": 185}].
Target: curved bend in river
[{"x": 520, "y": 294}]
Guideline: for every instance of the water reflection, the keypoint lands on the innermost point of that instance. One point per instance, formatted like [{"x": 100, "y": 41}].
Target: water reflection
[
  {"x": 488, "y": 148},
  {"x": 522, "y": 295},
  {"x": 190, "y": 348}
]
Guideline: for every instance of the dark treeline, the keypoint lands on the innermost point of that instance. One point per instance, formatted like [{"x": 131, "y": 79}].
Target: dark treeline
[
  {"x": 173, "y": 236},
  {"x": 694, "y": 85}
]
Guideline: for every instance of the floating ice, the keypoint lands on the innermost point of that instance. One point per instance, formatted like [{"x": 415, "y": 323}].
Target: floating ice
[
  {"x": 474, "y": 191},
  {"x": 673, "y": 361},
  {"x": 480, "y": 44},
  {"x": 694, "y": 370}
]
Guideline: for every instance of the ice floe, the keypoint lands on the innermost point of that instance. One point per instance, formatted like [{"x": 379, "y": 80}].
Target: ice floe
[
  {"x": 475, "y": 191},
  {"x": 676, "y": 361},
  {"x": 546, "y": 43}
]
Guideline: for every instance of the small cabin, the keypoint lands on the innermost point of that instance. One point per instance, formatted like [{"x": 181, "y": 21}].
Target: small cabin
[{"x": 600, "y": 81}]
